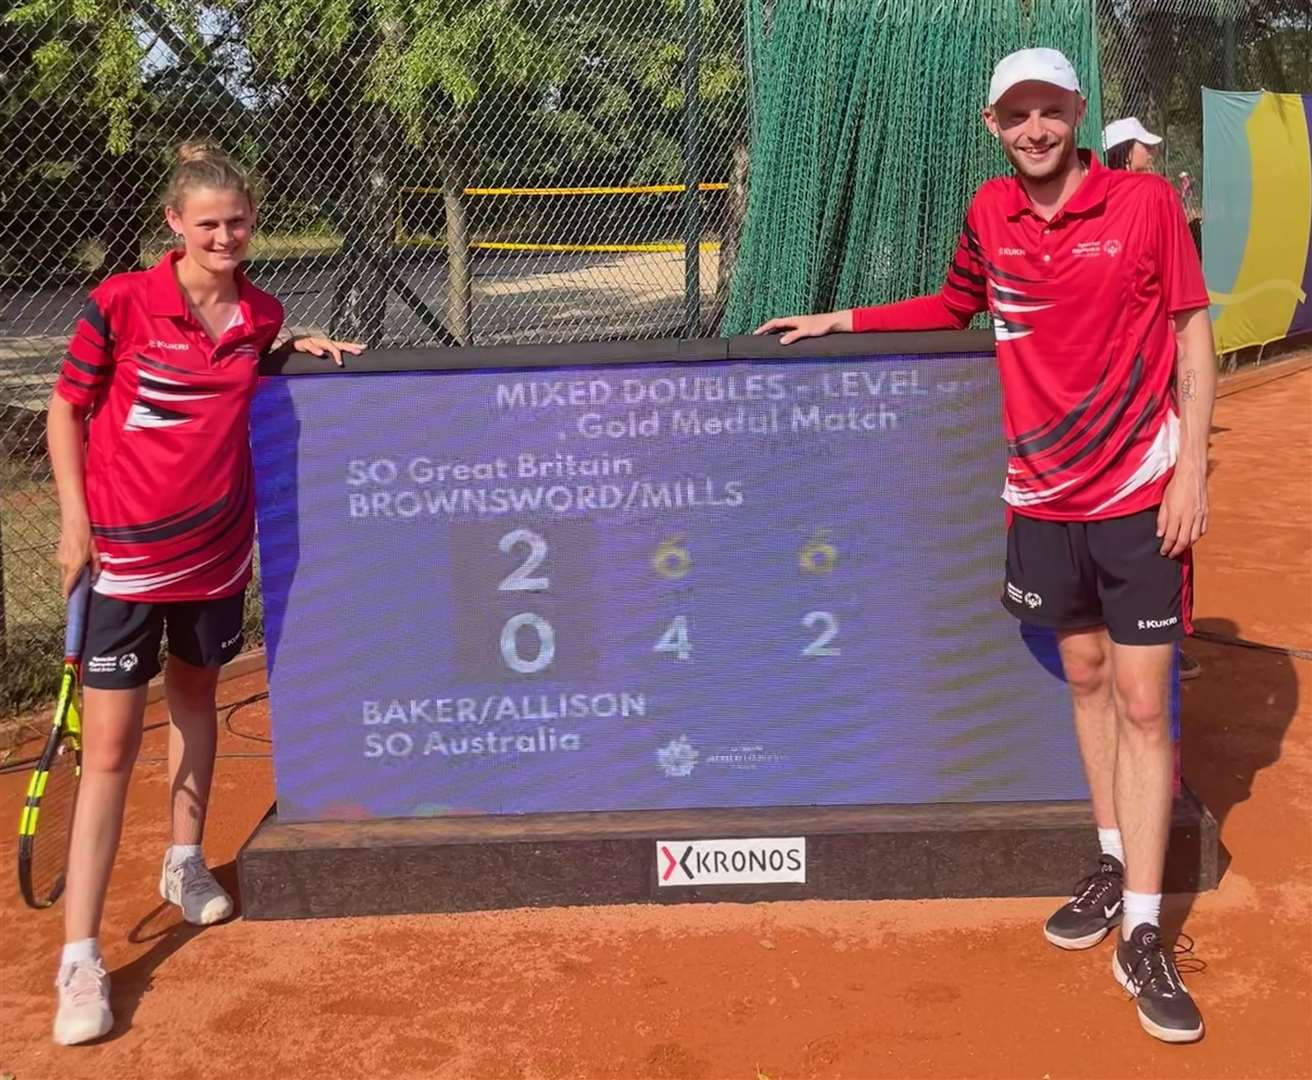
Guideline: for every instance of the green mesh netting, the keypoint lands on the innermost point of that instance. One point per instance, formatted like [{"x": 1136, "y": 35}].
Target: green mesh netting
[{"x": 867, "y": 143}]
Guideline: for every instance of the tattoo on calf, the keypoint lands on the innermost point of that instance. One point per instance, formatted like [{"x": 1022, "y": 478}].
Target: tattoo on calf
[{"x": 1188, "y": 387}]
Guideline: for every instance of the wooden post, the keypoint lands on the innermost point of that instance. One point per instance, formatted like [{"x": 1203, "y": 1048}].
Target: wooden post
[
  {"x": 459, "y": 281},
  {"x": 735, "y": 211}
]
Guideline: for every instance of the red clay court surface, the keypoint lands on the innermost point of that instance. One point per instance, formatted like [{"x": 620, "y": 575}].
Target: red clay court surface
[{"x": 891, "y": 989}]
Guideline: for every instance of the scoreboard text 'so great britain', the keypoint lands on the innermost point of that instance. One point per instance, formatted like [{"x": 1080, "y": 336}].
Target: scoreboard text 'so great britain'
[{"x": 727, "y": 584}]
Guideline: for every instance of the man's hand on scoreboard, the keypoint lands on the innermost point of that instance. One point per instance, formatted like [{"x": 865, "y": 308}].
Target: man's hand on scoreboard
[
  {"x": 797, "y": 327},
  {"x": 318, "y": 346}
]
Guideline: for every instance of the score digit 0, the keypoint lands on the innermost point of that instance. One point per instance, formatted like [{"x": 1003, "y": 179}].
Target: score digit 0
[{"x": 510, "y": 646}]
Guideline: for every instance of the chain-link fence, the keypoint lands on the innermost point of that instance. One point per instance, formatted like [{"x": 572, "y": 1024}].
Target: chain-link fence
[
  {"x": 1156, "y": 55},
  {"x": 441, "y": 172}
]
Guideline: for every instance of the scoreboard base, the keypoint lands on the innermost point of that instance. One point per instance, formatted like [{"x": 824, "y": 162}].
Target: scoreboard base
[{"x": 413, "y": 865}]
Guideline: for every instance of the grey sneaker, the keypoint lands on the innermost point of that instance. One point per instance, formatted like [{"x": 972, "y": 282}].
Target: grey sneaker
[
  {"x": 1093, "y": 909},
  {"x": 1146, "y": 968},
  {"x": 191, "y": 886},
  {"x": 83, "y": 1012}
]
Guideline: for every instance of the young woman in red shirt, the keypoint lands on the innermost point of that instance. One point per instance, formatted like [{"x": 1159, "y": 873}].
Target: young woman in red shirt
[{"x": 149, "y": 443}]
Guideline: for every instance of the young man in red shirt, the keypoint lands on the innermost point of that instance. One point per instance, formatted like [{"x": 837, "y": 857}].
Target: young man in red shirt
[{"x": 1108, "y": 376}]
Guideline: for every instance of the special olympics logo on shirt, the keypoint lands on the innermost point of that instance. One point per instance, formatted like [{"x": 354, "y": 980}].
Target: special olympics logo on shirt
[{"x": 1112, "y": 247}]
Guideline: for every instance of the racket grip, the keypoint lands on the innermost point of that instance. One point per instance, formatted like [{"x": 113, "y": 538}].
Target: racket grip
[{"x": 76, "y": 623}]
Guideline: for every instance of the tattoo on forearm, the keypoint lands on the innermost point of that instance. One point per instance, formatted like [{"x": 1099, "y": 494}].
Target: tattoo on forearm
[{"x": 1188, "y": 386}]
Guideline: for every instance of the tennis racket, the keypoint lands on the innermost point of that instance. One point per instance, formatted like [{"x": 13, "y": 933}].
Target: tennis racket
[{"x": 43, "y": 830}]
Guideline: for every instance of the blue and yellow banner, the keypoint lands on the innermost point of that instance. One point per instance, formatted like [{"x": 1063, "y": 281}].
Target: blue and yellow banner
[{"x": 1257, "y": 215}]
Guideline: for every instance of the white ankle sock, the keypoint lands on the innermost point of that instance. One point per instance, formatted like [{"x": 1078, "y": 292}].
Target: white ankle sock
[
  {"x": 1109, "y": 840},
  {"x": 1140, "y": 908},
  {"x": 179, "y": 853},
  {"x": 77, "y": 951}
]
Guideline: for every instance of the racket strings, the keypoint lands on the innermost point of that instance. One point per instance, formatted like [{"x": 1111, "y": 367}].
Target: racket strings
[{"x": 54, "y": 826}]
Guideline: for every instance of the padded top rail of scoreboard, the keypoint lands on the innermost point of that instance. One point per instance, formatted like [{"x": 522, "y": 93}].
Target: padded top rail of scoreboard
[{"x": 607, "y": 353}]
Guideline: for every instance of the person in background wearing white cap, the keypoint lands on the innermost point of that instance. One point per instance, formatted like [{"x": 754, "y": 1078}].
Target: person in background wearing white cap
[
  {"x": 1130, "y": 145},
  {"x": 1105, "y": 358}
]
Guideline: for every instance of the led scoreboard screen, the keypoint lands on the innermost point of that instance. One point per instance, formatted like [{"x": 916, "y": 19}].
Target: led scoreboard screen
[{"x": 647, "y": 586}]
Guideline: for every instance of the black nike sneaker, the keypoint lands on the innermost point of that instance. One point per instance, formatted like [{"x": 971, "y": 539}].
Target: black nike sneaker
[
  {"x": 1093, "y": 909},
  {"x": 1146, "y": 967}
]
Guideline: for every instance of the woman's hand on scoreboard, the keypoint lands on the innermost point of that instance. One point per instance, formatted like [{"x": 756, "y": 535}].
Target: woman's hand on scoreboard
[
  {"x": 797, "y": 327},
  {"x": 318, "y": 346}
]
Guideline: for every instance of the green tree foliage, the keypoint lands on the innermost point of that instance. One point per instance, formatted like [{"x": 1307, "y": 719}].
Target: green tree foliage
[{"x": 339, "y": 103}]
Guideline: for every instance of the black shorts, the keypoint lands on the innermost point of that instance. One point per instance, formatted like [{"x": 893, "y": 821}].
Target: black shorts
[
  {"x": 1073, "y": 575},
  {"x": 123, "y": 637}
]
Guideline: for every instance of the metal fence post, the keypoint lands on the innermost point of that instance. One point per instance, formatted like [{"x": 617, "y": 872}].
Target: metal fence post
[{"x": 692, "y": 208}]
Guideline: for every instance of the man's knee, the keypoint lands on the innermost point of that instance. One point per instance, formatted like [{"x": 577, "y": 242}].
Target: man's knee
[
  {"x": 1087, "y": 664},
  {"x": 1145, "y": 712},
  {"x": 1143, "y": 678}
]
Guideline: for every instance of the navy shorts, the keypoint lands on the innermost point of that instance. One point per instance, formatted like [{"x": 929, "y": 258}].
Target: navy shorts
[
  {"x": 123, "y": 637},
  {"x": 1074, "y": 575}
]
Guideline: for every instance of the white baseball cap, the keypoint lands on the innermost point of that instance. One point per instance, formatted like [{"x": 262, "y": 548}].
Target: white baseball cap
[
  {"x": 1032, "y": 65},
  {"x": 1119, "y": 131}
]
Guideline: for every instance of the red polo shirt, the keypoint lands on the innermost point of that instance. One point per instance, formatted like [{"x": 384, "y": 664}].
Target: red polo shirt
[
  {"x": 168, "y": 468},
  {"x": 1082, "y": 310}
]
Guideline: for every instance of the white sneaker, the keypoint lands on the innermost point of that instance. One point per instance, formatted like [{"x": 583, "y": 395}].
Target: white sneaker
[
  {"x": 83, "y": 1003},
  {"x": 191, "y": 886}
]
